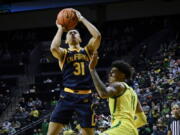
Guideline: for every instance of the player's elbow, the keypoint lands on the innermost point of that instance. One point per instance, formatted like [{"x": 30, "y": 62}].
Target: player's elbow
[
  {"x": 144, "y": 119},
  {"x": 103, "y": 95},
  {"x": 98, "y": 36},
  {"x": 55, "y": 52},
  {"x": 53, "y": 49},
  {"x": 141, "y": 120},
  {"x": 139, "y": 124},
  {"x": 144, "y": 122}
]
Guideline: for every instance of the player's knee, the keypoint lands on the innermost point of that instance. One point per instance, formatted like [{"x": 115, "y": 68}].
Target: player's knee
[
  {"x": 88, "y": 131},
  {"x": 54, "y": 128},
  {"x": 53, "y": 132}
]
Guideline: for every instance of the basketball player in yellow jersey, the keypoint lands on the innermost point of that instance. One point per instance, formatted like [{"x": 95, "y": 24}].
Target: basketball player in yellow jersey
[{"x": 126, "y": 111}]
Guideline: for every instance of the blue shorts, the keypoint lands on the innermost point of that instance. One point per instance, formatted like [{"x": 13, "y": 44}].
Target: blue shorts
[{"x": 70, "y": 103}]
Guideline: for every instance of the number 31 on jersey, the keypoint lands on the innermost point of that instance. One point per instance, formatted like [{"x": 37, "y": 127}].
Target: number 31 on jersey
[{"x": 79, "y": 68}]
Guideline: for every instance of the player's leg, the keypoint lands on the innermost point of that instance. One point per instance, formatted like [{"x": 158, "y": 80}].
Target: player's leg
[
  {"x": 120, "y": 128},
  {"x": 87, "y": 131},
  {"x": 54, "y": 128},
  {"x": 85, "y": 113},
  {"x": 61, "y": 114},
  {"x": 115, "y": 129}
]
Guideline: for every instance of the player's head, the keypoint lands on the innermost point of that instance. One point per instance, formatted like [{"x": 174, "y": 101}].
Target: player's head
[
  {"x": 176, "y": 109},
  {"x": 120, "y": 71},
  {"x": 73, "y": 37}
]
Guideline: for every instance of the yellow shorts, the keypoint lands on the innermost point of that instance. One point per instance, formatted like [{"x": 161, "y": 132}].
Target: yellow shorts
[{"x": 121, "y": 128}]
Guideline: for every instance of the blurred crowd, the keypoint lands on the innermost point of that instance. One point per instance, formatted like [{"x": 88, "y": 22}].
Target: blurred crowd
[
  {"x": 158, "y": 88},
  {"x": 5, "y": 96},
  {"x": 27, "y": 111}
]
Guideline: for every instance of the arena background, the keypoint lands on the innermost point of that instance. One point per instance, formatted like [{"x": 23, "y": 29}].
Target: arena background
[{"x": 143, "y": 32}]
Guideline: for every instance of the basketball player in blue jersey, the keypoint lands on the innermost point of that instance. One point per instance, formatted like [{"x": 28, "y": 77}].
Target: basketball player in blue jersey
[{"x": 73, "y": 62}]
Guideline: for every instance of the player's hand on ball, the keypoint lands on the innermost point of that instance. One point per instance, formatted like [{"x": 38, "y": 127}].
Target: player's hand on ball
[
  {"x": 60, "y": 26},
  {"x": 93, "y": 61},
  {"x": 78, "y": 14}
]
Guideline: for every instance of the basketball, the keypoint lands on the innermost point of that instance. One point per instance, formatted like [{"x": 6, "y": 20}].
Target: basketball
[{"x": 67, "y": 18}]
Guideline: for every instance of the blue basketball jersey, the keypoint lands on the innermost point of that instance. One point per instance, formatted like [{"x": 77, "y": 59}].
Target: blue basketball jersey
[{"x": 76, "y": 74}]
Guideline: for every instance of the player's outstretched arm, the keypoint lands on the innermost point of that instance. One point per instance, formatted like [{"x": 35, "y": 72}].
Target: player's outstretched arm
[
  {"x": 56, "y": 51},
  {"x": 141, "y": 117},
  {"x": 94, "y": 42},
  {"x": 103, "y": 91}
]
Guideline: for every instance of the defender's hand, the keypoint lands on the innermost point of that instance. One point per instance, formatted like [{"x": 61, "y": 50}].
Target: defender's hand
[{"x": 93, "y": 61}]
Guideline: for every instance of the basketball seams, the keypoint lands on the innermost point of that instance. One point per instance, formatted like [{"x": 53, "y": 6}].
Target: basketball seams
[
  {"x": 74, "y": 21},
  {"x": 60, "y": 17},
  {"x": 64, "y": 19},
  {"x": 69, "y": 12}
]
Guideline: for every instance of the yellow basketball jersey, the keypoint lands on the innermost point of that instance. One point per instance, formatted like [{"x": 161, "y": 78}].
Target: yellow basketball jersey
[{"x": 123, "y": 107}]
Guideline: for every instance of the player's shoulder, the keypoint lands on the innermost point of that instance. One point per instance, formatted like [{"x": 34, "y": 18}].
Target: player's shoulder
[
  {"x": 117, "y": 84},
  {"x": 118, "y": 87}
]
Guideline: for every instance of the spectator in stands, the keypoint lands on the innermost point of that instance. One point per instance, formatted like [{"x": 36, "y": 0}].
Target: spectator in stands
[
  {"x": 30, "y": 103},
  {"x": 174, "y": 124},
  {"x": 38, "y": 103},
  {"x": 54, "y": 101},
  {"x": 44, "y": 59},
  {"x": 22, "y": 102},
  {"x": 34, "y": 114},
  {"x": 39, "y": 131},
  {"x": 16, "y": 124},
  {"x": 48, "y": 80},
  {"x": 21, "y": 113},
  {"x": 44, "y": 127},
  {"x": 58, "y": 87},
  {"x": 32, "y": 89},
  {"x": 35, "y": 132},
  {"x": 6, "y": 125}
]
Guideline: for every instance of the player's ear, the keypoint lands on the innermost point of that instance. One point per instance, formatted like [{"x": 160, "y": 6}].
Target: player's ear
[{"x": 66, "y": 40}]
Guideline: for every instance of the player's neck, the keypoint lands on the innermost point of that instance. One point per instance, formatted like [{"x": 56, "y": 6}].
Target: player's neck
[{"x": 77, "y": 46}]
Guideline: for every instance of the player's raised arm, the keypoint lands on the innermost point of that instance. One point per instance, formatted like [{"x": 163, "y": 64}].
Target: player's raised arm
[
  {"x": 94, "y": 42},
  {"x": 141, "y": 117},
  {"x": 113, "y": 89},
  {"x": 55, "y": 48}
]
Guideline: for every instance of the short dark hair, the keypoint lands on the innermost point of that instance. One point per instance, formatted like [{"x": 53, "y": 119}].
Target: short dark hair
[{"x": 124, "y": 67}]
